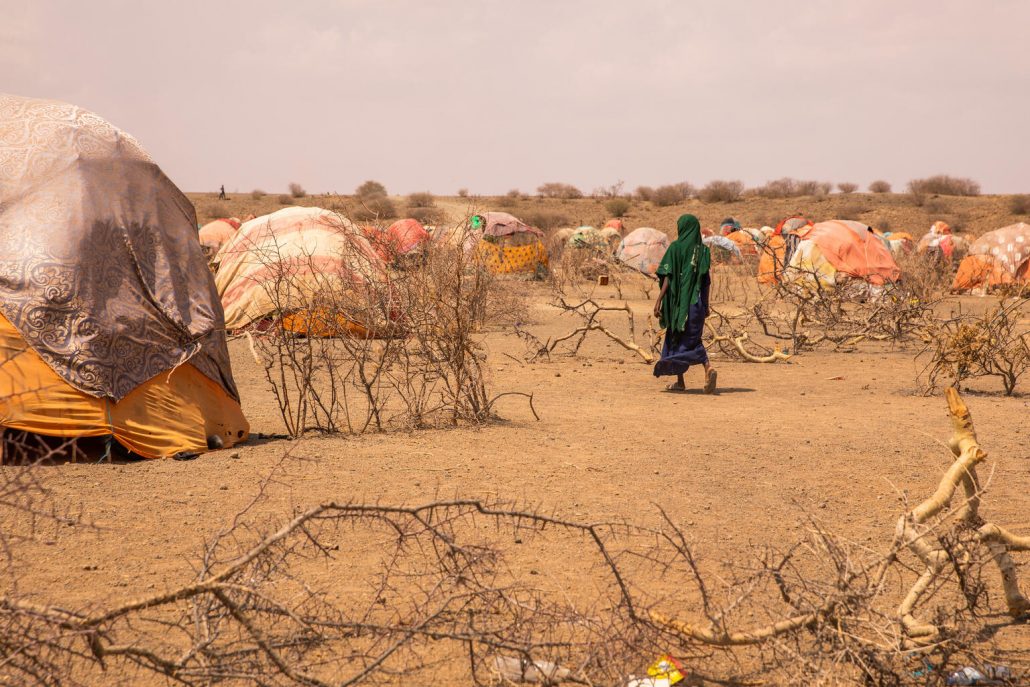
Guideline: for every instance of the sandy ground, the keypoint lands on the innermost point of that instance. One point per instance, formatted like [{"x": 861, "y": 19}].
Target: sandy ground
[{"x": 842, "y": 436}]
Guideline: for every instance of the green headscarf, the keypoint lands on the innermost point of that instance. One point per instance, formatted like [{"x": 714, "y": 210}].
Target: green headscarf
[{"x": 685, "y": 262}]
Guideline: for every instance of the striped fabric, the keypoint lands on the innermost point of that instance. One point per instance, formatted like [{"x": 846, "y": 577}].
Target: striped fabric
[{"x": 296, "y": 259}]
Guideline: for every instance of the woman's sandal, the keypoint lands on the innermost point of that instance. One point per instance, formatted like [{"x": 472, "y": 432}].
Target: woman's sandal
[{"x": 710, "y": 379}]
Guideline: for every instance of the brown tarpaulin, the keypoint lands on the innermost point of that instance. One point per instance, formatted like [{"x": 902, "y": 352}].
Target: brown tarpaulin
[{"x": 100, "y": 268}]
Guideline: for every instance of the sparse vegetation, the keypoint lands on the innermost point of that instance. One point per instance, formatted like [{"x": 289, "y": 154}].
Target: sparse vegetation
[
  {"x": 847, "y": 187},
  {"x": 721, "y": 191},
  {"x": 791, "y": 188},
  {"x": 879, "y": 186},
  {"x": 1020, "y": 205},
  {"x": 645, "y": 193},
  {"x": 670, "y": 194},
  {"x": 545, "y": 220},
  {"x": 296, "y": 190},
  {"x": 944, "y": 185},
  {"x": 617, "y": 207},
  {"x": 937, "y": 206},
  {"x": 555, "y": 189},
  {"x": 285, "y": 199},
  {"x": 463, "y": 193},
  {"x": 257, "y": 194},
  {"x": 372, "y": 203},
  {"x": 423, "y": 199}
]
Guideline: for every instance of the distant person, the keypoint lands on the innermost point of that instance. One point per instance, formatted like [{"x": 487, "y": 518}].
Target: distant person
[
  {"x": 221, "y": 193},
  {"x": 682, "y": 305}
]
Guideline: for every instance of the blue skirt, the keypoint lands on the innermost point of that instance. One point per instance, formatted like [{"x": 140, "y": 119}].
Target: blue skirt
[{"x": 683, "y": 349}]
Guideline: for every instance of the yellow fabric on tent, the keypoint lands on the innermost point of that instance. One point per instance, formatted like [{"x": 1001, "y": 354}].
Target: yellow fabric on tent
[
  {"x": 169, "y": 414},
  {"x": 501, "y": 259},
  {"x": 809, "y": 264}
]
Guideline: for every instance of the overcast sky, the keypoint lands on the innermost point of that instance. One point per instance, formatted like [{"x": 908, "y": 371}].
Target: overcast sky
[{"x": 439, "y": 95}]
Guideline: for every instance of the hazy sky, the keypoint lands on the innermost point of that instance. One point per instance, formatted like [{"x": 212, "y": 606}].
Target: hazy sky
[{"x": 491, "y": 96}]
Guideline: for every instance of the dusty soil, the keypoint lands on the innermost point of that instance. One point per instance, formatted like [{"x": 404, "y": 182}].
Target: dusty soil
[{"x": 843, "y": 436}]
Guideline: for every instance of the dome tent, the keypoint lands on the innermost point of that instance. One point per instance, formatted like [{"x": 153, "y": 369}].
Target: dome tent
[
  {"x": 287, "y": 263},
  {"x": 836, "y": 248},
  {"x": 643, "y": 249},
  {"x": 110, "y": 325},
  {"x": 999, "y": 257},
  {"x": 508, "y": 245}
]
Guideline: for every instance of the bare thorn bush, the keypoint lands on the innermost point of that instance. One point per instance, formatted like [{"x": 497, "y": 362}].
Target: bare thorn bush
[
  {"x": 645, "y": 193},
  {"x": 441, "y": 599},
  {"x": 944, "y": 185},
  {"x": 558, "y": 190},
  {"x": 285, "y": 199},
  {"x": 847, "y": 187},
  {"x": 617, "y": 207},
  {"x": 296, "y": 190},
  {"x": 880, "y": 186},
  {"x": 721, "y": 192},
  {"x": 995, "y": 344},
  {"x": 463, "y": 193},
  {"x": 257, "y": 194},
  {"x": 545, "y": 220},
  {"x": 670, "y": 194}
]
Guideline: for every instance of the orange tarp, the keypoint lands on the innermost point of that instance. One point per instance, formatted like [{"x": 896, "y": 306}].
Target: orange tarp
[
  {"x": 853, "y": 250},
  {"x": 744, "y": 242},
  {"x": 171, "y": 413},
  {"x": 980, "y": 271},
  {"x": 770, "y": 265}
]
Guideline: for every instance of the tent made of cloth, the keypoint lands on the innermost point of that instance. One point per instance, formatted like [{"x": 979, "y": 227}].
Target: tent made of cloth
[
  {"x": 841, "y": 247},
  {"x": 399, "y": 239},
  {"x": 510, "y": 246},
  {"x": 105, "y": 296},
  {"x": 214, "y": 235},
  {"x": 643, "y": 249},
  {"x": 997, "y": 258},
  {"x": 172, "y": 413},
  {"x": 300, "y": 262}
]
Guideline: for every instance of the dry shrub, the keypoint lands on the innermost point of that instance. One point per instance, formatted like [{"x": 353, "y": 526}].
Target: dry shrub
[
  {"x": 617, "y": 207},
  {"x": 667, "y": 195},
  {"x": 370, "y": 188},
  {"x": 373, "y": 208},
  {"x": 917, "y": 199},
  {"x": 423, "y": 199},
  {"x": 436, "y": 593},
  {"x": 371, "y": 203},
  {"x": 424, "y": 368},
  {"x": 791, "y": 188},
  {"x": 879, "y": 186},
  {"x": 555, "y": 189},
  {"x": 296, "y": 190},
  {"x": 994, "y": 344},
  {"x": 721, "y": 191},
  {"x": 1020, "y": 205},
  {"x": 257, "y": 194},
  {"x": 545, "y": 220},
  {"x": 645, "y": 193},
  {"x": 285, "y": 199},
  {"x": 945, "y": 185},
  {"x": 430, "y": 215},
  {"x": 847, "y": 187},
  {"x": 463, "y": 193}
]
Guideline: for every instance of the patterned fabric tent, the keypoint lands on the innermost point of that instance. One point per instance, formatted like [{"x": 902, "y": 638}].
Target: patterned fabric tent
[
  {"x": 999, "y": 257},
  {"x": 298, "y": 261},
  {"x": 643, "y": 249},
  {"x": 510, "y": 246},
  {"x": 110, "y": 324}
]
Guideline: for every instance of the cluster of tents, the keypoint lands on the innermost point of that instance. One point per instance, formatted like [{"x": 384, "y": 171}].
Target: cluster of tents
[
  {"x": 112, "y": 325},
  {"x": 798, "y": 249}
]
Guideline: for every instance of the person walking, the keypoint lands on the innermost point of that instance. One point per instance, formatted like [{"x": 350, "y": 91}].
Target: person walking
[{"x": 682, "y": 305}]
